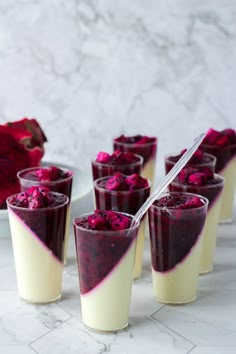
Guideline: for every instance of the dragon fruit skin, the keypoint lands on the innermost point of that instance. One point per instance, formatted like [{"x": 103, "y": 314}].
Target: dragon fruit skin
[{"x": 21, "y": 147}]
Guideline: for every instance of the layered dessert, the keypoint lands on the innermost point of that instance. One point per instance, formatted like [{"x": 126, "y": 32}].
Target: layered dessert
[
  {"x": 107, "y": 164},
  {"x": 56, "y": 179},
  {"x": 176, "y": 223},
  {"x": 140, "y": 145},
  {"x": 222, "y": 144},
  {"x": 105, "y": 248},
  {"x": 199, "y": 159},
  {"x": 204, "y": 182},
  {"x": 126, "y": 194},
  {"x": 37, "y": 221}
]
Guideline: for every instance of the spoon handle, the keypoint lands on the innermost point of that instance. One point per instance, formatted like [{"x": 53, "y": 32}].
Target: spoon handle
[{"x": 168, "y": 179}]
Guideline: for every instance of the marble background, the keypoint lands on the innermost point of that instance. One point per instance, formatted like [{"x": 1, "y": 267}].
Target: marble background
[{"x": 89, "y": 70}]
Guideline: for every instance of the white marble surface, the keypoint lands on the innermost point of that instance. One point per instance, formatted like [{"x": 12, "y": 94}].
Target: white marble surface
[
  {"x": 89, "y": 70},
  {"x": 206, "y": 326}
]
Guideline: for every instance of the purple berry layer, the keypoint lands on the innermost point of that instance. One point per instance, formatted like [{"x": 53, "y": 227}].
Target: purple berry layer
[
  {"x": 98, "y": 251},
  {"x": 141, "y": 145},
  {"x": 174, "y": 229},
  {"x": 107, "y": 165},
  {"x": 221, "y": 144},
  {"x": 39, "y": 220}
]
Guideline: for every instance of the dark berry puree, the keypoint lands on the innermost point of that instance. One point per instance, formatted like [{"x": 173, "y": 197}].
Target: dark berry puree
[
  {"x": 199, "y": 181},
  {"x": 124, "y": 162},
  {"x": 221, "y": 144},
  {"x": 138, "y": 144},
  {"x": 175, "y": 222},
  {"x": 44, "y": 212},
  {"x": 199, "y": 159},
  {"x": 101, "y": 242},
  {"x": 56, "y": 179},
  {"x": 122, "y": 193}
]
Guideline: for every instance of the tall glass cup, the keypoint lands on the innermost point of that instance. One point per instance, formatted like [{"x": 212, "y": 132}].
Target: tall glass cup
[
  {"x": 176, "y": 236},
  {"x": 144, "y": 146},
  {"x": 226, "y": 167},
  {"x": 128, "y": 202},
  {"x": 28, "y": 178},
  {"x": 105, "y": 265},
  {"x": 38, "y": 237}
]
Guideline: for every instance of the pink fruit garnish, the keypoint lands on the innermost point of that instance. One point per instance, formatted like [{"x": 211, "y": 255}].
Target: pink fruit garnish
[
  {"x": 196, "y": 176},
  {"x": 108, "y": 220},
  {"x": 120, "y": 182},
  {"x": 35, "y": 198},
  {"x": 117, "y": 182},
  {"x": 103, "y": 157},
  {"x": 221, "y": 138}
]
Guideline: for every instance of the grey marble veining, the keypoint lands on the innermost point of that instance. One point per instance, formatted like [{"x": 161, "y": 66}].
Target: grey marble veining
[{"x": 92, "y": 69}]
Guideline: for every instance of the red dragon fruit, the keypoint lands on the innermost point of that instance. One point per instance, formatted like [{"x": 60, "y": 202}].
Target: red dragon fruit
[{"x": 21, "y": 147}]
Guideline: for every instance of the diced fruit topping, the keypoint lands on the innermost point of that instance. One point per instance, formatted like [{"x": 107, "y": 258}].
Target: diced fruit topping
[
  {"x": 196, "y": 176},
  {"x": 108, "y": 220},
  {"x": 35, "y": 198},
  {"x": 136, "y": 139},
  {"x": 221, "y": 138},
  {"x": 117, "y": 182},
  {"x": 120, "y": 182},
  {"x": 178, "y": 201},
  {"x": 51, "y": 173},
  {"x": 116, "y": 158}
]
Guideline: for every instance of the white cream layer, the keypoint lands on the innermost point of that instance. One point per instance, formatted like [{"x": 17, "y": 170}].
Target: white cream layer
[
  {"x": 229, "y": 173},
  {"x": 209, "y": 236},
  {"x": 106, "y": 307},
  {"x": 139, "y": 250},
  {"x": 38, "y": 272},
  {"x": 179, "y": 285},
  {"x": 148, "y": 170}
]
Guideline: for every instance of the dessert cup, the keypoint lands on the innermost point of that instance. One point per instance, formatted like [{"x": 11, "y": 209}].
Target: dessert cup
[
  {"x": 63, "y": 184},
  {"x": 176, "y": 235},
  {"x": 127, "y": 201},
  {"x": 207, "y": 160},
  {"x": 226, "y": 167},
  {"x": 108, "y": 168},
  {"x": 105, "y": 266},
  {"x": 140, "y": 145},
  {"x": 38, "y": 237},
  {"x": 213, "y": 191}
]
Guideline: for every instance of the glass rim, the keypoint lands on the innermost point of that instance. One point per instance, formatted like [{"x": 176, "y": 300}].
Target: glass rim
[
  {"x": 174, "y": 154},
  {"x": 36, "y": 182},
  {"x": 201, "y": 197},
  {"x": 215, "y": 146},
  {"x": 95, "y": 184},
  {"x": 110, "y": 232},
  {"x": 155, "y": 142},
  {"x": 134, "y": 163},
  {"x": 206, "y": 186},
  {"x": 66, "y": 202}
]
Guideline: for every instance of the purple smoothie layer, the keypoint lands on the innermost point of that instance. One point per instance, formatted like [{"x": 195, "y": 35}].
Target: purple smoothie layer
[
  {"x": 221, "y": 144},
  {"x": 56, "y": 179},
  {"x": 45, "y": 215},
  {"x": 199, "y": 159},
  {"x": 199, "y": 181},
  {"x": 175, "y": 223},
  {"x": 99, "y": 250},
  {"x": 124, "y": 162},
  {"x": 120, "y": 192},
  {"x": 139, "y": 144}
]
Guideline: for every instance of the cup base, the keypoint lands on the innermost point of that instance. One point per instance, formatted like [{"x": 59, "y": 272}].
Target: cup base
[
  {"x": 176, "y": 302},
  {"x": 204, "y": 272},
  {"x": 107, "y": 331},
  {"x": 57, "y": 299}
]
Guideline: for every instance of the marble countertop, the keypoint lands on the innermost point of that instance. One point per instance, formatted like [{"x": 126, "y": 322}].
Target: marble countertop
[{"x": 206, "y": 326}]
